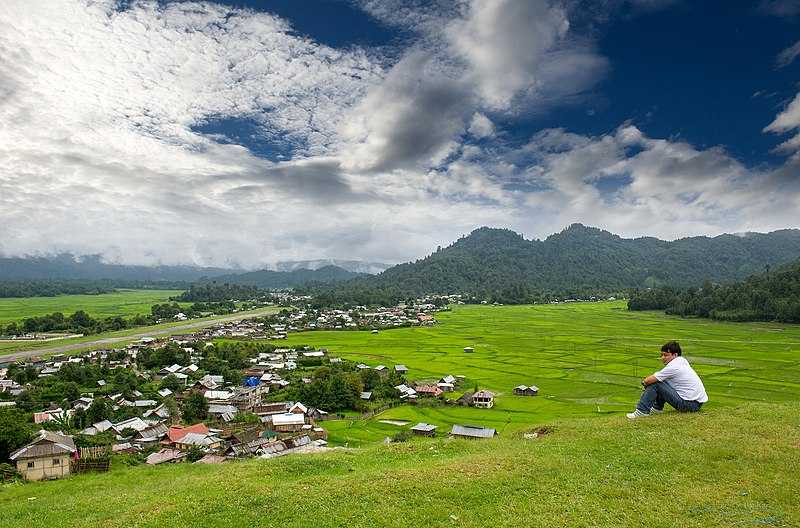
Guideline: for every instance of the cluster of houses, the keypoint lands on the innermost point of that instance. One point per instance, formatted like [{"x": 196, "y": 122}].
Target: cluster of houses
[{"x": 282, "y": 428}]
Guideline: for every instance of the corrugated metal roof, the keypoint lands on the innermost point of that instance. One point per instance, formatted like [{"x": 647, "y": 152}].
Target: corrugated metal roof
[
  {"x": 47, "y": 444},
  {"x": 472, "y": 431}
]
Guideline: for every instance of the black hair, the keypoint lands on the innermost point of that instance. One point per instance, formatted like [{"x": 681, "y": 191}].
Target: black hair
[{"x": 672, "y": 347}]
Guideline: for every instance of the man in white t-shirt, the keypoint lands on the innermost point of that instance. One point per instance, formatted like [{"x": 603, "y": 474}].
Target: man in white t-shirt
[{"x": 676, "y": 384}]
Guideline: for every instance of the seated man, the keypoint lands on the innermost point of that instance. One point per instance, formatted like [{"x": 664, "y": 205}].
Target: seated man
[{"x": 676, "y": 384}]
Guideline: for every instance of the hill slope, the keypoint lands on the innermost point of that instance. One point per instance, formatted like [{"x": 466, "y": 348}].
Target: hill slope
[
  {"x": 501, "y": 264},
  {"x": 720, "y": 467}
]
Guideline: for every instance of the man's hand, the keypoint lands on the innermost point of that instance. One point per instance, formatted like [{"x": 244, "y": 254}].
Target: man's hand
[{"x": 649, "y": 380}]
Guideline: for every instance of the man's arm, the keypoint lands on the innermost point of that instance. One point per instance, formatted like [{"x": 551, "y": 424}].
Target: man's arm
[{"x": 649, "y": 380}]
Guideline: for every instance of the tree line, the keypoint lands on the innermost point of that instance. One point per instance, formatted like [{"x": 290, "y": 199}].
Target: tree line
[
  {"x": 770, "y": 296},
  {"x": 54, "y": 287}
]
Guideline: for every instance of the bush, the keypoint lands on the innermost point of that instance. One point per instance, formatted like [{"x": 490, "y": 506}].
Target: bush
[{"x": 402, "y": 436}]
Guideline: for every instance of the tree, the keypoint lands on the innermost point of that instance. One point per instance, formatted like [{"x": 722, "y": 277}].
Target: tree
[
  {"x": 195, "y": 408},
  {"x": 170, "y": 382},
  {"x": 15, "y": 431},
  {"x": 98, "y": 411}
]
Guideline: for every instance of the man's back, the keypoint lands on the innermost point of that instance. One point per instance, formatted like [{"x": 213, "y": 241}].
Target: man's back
[{"x": 679, "y": 375}]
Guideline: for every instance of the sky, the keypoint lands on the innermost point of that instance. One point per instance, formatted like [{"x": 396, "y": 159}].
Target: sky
[{"x": 248, "y": 132}]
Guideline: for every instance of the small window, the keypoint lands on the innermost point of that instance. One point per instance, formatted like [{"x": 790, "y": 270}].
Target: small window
[
  {"x": 30, "y": 465},
  {"x": 56, "y": 461}
]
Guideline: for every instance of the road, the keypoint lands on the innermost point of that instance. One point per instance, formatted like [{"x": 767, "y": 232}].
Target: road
[{"x": 14, "y": 356}]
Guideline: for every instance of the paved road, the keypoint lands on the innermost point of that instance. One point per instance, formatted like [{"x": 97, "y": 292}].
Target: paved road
[{"x": 14, "y": 356}]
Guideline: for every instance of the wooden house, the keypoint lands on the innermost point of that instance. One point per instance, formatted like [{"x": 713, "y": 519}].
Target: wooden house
[
  {"x": 424, "y": 429},
  {"x": 47, "y": 457},
  {"x": 523, "y": 390},
  {"x": 483, "y": 399}
]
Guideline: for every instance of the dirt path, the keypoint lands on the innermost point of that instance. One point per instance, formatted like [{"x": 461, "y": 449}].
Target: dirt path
[{"x": 14, "y": 356}]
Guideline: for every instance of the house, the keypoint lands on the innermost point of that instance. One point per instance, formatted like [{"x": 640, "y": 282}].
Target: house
[
  {"x": 176, "y": 432},
  {"x": 483, "y": 399},
  {"x": 159, "y": 413},
  {"x": 205, "y": 441},
  {"x": 449, "y": 379},
  {"x": 401, "y": 369},
  {"x": 522, "y": 390},
  {"x": 381, "y": 369},
  {"x": 82, "y": 403},
  {"x": 218, "y": 396},
  {"x": 222, "y": 411},
  {"x": 366, "y": 395},
  {"x": 164, "y": 392},
  {"x": 406, "y": 391},
  {"x": 446, "y": 387},
  {"x": 472, "y": 431},
  {"x": 424, "y": 429},
  {"x": 135, "y": 423},
  {"x": 288, "y": 422},
  {"x": 47, "y": 457},
  {"x": 469, "y": 350},
  {"x": 428, "y": 390},
  {"x": 152, "y": 434},
  {"x": 50, "y": 415},
  {"x": 465, "y": 399},
  {"x": 96, "y": 428},
  {"x": 166, "y": 455}
]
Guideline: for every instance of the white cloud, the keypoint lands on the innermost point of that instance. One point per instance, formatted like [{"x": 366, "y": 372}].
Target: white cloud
[
  {"x": 481, "y": 126},
  {"x": 99, "y": 153},
  {"x": 787, "y": 121},
  {"x": 787, "y": 56}
]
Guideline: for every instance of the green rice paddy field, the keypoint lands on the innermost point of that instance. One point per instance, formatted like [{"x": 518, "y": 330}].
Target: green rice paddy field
[
  {"x": 586, "y": 358},
  {"x": 120, "y": 302}
]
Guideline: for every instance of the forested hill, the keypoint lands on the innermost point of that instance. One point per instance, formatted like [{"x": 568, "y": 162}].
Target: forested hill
[
  {"x": 287, "y": 279},
  {"x": 771, "y": 296},
  {"x": 67, "y": 266},
  {"x": 499, "y": 264}
]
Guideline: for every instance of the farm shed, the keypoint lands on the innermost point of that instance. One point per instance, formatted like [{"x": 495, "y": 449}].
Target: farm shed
[
  {"x": 523, "y": 390},
  {"x": 424, "y": 429},
  {"x": 472, "y": 431}
]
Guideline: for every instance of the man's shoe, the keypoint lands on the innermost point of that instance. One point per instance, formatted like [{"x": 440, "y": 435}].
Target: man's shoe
[
  {"x": 636, "y": 414},
  {"x": 653, "y": 410}
]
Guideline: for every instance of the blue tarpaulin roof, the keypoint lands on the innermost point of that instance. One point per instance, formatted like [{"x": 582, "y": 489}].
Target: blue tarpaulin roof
[{"x": 252, "y": 381}]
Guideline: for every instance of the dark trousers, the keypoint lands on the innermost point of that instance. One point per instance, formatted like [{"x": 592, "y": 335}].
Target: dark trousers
[{"x": 657, "y": 394}]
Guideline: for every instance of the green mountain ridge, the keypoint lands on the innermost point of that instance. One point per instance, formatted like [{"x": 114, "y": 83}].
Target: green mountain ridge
[{"x": 580, "y": 260}]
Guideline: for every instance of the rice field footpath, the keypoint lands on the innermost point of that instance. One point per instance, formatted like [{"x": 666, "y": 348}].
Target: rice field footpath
[
  {"x": 725, "y": 466},
  {"x": 121, "y": 302},
  {"x": 586, "y": 358}
]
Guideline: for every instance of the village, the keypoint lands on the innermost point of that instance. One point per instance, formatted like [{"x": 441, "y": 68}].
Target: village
[{"x": 218, "y": 394}]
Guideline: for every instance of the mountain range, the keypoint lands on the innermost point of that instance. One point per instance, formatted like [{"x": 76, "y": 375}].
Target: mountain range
[{"x": 499, "y": 263}]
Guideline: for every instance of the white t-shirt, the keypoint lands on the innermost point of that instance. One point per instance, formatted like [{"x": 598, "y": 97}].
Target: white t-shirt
[{"x": 681, "y": 376}]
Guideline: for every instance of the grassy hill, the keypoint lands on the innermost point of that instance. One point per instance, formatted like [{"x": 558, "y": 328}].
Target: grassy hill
[{"x": 735, "y": 466}]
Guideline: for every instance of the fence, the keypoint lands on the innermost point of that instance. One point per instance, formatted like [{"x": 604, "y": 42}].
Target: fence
[{"x": 91, "y": 459}]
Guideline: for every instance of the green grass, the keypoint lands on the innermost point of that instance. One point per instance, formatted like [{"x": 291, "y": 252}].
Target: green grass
[
  {"x": 586, "y": 358},
  {"x": 11, "y": 347},
  {"x": 121, "y": 302},
  {"x": 735, "y": 466}
]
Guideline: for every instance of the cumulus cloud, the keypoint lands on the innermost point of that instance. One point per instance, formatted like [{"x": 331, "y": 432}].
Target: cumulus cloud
[{"x": 388, "y": 155}]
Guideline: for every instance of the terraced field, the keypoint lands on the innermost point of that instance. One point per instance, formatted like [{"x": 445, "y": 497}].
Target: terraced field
[{"x": 586, "y": 358}]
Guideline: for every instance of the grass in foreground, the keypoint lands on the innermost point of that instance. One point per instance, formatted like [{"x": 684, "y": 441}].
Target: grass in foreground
[
  {"x": 120, "y": 302},
  {"x": 735, "y": 466}
]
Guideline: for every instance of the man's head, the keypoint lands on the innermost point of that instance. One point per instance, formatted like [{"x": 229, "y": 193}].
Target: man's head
[{"x": 670, "y": 351}]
